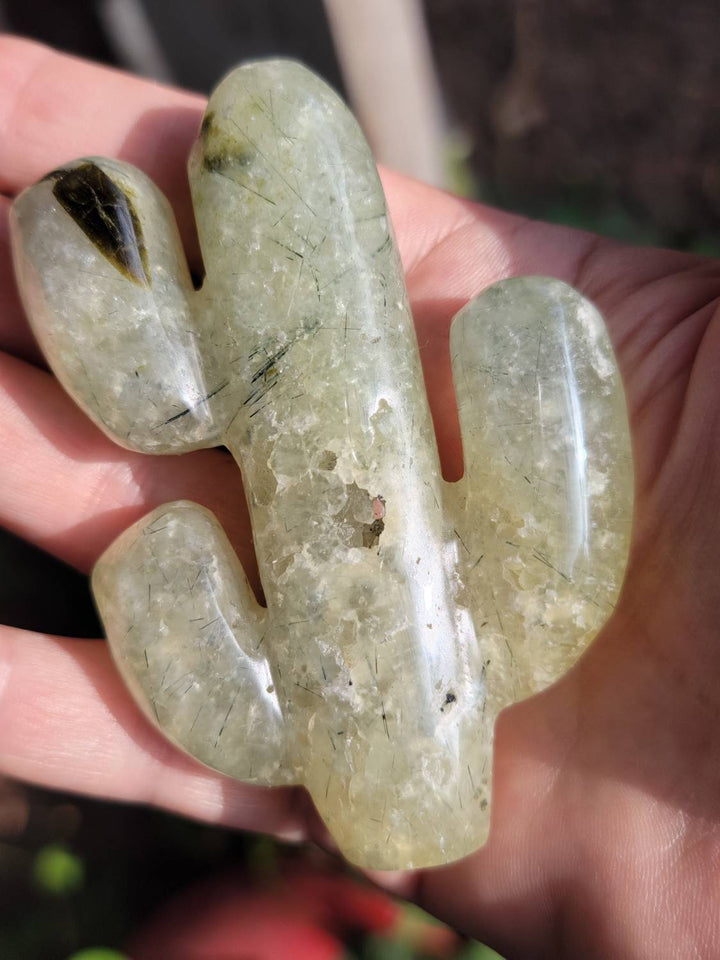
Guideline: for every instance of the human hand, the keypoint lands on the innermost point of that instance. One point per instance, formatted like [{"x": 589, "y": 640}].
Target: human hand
[{"x": 605, "y": 824}]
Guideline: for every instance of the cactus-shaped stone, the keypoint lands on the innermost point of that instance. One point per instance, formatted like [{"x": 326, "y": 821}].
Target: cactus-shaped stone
[{"x": 402, "y": 613}]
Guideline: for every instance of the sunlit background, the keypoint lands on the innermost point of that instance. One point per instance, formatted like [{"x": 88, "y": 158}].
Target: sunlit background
[{"x": 599, "y": 114}]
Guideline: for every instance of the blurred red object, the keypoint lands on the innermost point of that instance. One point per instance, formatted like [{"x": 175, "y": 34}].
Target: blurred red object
[{"x": 303, "y": 914}]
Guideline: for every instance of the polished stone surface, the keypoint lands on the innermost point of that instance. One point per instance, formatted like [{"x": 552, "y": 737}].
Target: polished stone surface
[{"x": 402, "y": 612}]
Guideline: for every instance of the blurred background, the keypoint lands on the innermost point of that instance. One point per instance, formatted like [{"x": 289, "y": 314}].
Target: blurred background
[{"x": 595, "y": 113}]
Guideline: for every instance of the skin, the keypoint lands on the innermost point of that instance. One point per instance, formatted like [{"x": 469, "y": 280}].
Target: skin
[{"x": 605, "y": 837}]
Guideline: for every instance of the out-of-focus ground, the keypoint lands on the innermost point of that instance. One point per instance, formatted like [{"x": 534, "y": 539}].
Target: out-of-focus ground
[
  {"x": 595, "y": 113},
  {"x": 600, "y": 114}
]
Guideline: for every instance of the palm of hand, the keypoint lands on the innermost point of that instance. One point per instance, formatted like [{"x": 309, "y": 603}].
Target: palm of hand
[{"x": 606, "y": 817}]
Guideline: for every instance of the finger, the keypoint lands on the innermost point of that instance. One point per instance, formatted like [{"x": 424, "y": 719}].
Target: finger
[
  {"x": 55, "y": 108},
  {"x": 67, "y": 722},
  {"x": 69, "y": 489}
]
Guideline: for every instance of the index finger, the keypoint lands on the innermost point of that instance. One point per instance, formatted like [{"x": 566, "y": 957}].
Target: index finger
[{"x": 55, "y": 108}]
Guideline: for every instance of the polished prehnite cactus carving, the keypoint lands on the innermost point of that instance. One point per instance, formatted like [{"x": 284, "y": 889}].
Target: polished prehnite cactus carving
[{"x": 403, "y": 613}]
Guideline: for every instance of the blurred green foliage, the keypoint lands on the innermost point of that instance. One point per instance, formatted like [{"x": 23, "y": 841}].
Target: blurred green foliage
[
  {"x": 382, "y": 948},
  {"x": 98, "y": 953},
  {"x": 57, "y": 870},
  {"x": 478, "y": 951}
]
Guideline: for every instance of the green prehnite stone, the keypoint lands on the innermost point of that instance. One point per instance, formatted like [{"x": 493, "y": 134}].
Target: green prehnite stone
[{"x": 403, "y": 613}]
